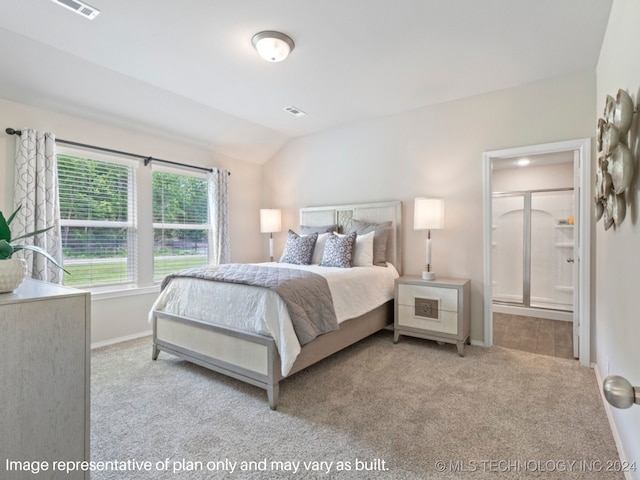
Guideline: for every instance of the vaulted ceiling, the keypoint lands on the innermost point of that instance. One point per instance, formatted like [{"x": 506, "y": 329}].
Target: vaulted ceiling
[{"x": 187, "y": 69}]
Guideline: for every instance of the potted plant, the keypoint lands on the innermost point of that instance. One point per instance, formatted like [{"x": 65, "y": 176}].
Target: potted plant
[{"x": 14, "y": 270}]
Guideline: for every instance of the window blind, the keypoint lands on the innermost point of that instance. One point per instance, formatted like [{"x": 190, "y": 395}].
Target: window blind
[
  {"x": 97, "y": 204},
  {"x": 180, "y": 222}
]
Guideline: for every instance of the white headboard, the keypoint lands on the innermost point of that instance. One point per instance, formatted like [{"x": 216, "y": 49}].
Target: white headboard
[{"x": 368, "y": 212}]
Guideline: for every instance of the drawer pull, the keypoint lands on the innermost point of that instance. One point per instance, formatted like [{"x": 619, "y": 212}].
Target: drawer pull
[{"x": 426, "y": 308}]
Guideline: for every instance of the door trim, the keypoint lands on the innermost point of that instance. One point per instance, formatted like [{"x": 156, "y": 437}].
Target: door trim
[{"x": 582, "y": 147}]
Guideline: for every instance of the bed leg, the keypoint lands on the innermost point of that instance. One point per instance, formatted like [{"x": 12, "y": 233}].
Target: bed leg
[
  {"x": 155, "y": 352},
  {"x": 272, "y": 393}
]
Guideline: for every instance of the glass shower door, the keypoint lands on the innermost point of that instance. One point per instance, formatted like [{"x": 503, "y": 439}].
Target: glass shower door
[
  {"x": 533, "y": 249},
  {"x": 508, "y": 252},
  {"x": 552, "y": 249}
]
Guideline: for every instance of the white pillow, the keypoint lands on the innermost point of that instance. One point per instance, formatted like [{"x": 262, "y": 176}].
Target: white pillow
[
  {"x": 319, "y": 248},
  {"x": 363, "y": 254}
]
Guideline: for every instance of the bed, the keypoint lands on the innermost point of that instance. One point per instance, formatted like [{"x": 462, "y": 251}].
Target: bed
[{"x": 262, "y": 356}]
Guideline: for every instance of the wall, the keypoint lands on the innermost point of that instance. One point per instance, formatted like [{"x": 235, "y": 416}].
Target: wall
[
  {"x": 532, "y": 178},
  {"x": 432, "y": 151},
  {"x": 618, "y": 250},
  {"x": 123, "y": 316}
]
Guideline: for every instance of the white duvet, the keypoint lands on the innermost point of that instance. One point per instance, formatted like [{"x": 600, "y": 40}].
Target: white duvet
[{"x": 355, "y": 291}]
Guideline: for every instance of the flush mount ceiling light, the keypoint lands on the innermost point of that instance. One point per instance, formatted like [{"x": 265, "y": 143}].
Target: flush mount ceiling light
[{"x": 272, "y": 46}]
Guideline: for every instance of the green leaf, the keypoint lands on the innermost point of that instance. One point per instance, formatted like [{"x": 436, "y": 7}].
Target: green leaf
[
  {"x": 41, "y": 252},
  {"x": 13, "y": 215},
  {"x": 5, "y": 232},
  {"x": 6, "y": 250},
  {"x": 27, "y": 235}
]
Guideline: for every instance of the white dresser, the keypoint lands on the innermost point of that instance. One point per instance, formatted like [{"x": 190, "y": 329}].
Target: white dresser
[
  {"x": 44, "y": 377},
  {"x": 435, "y": 310}
]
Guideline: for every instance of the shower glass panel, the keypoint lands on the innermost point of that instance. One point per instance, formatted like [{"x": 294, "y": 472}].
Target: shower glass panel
[
  {"x": 533, "y": 249},
  {"x": 552, "y": 249},
  {"x": 508, "y": 251}
]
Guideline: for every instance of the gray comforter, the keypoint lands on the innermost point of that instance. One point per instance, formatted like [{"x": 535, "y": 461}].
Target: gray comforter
[{"x": 306, "y": 294}]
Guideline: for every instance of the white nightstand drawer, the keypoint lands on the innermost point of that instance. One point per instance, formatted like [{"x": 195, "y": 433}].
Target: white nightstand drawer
[
  {"x": 434, "y": 310},
  {"x": 447, "y": 321},
  {"x": 447, "y": 297}
]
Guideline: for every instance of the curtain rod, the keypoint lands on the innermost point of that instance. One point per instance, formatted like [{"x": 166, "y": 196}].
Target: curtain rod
[{"x": 147, "y": 159}]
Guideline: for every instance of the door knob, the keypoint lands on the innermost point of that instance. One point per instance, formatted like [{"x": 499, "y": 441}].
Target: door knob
[{"x": 619, "y": 392}]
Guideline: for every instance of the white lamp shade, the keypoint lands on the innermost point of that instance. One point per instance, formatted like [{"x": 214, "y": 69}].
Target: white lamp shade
[
  {"x": 428, "y": 214},
  {"x": 270, "y": 220}
]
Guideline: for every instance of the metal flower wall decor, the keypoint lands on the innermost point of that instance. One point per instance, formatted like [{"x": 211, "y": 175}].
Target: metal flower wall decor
[{"x": 615, "y": 159}]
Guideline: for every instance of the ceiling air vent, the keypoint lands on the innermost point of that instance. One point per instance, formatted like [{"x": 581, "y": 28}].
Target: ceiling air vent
[
  {"x": 80, "y": 8},
  {"x": 294, "y": 111}
]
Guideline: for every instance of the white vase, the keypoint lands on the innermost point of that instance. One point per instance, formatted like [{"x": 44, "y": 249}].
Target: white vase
[{"x": 13, "y": 271}]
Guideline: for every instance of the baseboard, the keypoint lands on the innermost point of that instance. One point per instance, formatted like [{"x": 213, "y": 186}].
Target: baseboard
[
  {"x": 612, "y": 423},
  {"x": 112, "y": 341}
]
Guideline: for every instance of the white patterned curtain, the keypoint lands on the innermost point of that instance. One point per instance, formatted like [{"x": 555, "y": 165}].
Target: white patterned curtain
[
  {"x": 36, "y": 191},
  {"x": 218, "y": 216}
]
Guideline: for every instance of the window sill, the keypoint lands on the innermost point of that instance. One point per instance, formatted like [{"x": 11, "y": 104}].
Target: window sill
[{"x": 106, "y": 293}]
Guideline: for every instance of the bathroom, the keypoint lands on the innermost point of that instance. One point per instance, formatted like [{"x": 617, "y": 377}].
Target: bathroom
[{"x": 533, "y": 259}]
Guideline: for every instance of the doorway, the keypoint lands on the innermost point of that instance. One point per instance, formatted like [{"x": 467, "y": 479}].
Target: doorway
[{"x": 551, "y": 252}]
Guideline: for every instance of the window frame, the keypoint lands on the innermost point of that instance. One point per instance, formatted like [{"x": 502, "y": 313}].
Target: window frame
[
  {"x": 140, "y": 214},
  {"x": 185, "y": 172},
  {"x": 132, "y": 214}
]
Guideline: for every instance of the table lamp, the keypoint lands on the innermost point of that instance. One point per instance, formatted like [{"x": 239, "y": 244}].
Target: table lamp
[
  {"x": 270, "y": 222},
  {"x": 428, "y": 214}
]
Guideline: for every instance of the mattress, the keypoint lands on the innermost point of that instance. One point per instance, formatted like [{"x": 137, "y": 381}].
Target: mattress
[{"x": 355, "y": 291}]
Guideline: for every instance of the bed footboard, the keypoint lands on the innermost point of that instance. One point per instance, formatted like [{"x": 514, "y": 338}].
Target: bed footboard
[
  {"x": 251, "y": 357},
  {"x": 246, "y": 356}
]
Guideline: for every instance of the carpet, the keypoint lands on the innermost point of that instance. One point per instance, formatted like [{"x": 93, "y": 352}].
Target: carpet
[{"x": 414, "y": 410}]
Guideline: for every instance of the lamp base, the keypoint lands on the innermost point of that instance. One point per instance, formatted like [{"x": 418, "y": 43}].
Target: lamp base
[{"x": 428, "y": 275}]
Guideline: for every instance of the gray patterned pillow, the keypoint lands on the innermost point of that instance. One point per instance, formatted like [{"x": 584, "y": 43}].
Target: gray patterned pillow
[
  {"x": 298, "y": 250},
  {"x": 338, "y": 251},
  {"x": 380, "y": 238}
]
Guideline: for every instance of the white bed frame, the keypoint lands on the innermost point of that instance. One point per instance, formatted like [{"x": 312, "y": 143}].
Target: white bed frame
[{"x": 254, "y": 358}]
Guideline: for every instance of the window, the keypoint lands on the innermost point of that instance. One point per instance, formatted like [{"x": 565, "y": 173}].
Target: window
[
  {"x": 180, "y": 222},
  {"x": 127, "y": 228},
  {"x": 97, "y": 205}
]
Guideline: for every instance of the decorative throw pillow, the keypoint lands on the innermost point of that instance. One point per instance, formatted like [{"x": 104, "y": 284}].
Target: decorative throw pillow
[
  {"x": 363, "y": 250},
  {"x": 304, "y": 229},
  {"x": 298, "y": 249},
  {"x": 381, "y": 235},
  {"x": 338, "y": 251},
  {"x": 319, "y": 248}
]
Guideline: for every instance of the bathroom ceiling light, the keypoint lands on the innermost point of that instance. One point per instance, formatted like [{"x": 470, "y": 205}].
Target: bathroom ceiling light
[
  {"x": 523, "y": 162},
  {"x": 272, "y": 46}
]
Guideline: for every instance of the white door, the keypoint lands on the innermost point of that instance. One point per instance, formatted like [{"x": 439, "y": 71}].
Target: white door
[{"x": 576, "y": 255}]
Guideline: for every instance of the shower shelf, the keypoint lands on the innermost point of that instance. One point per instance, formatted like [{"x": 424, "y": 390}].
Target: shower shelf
[
  {"x": 564, "y": 245},
  {"x": 563, "y": 225}
]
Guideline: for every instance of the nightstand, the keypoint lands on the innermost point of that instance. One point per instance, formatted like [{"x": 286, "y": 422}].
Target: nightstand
[{"x": 432, "y": 309}]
